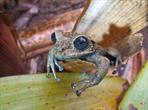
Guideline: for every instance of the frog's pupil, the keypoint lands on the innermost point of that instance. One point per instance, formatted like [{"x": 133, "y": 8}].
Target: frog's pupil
[
  {"x": 81, "y": 43},
  {"x": 53, "y": 38}
]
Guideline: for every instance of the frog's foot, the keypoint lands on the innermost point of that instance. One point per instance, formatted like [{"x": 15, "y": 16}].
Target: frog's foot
[
  {"x": 53, "y": 71},
  {"x": 82, "y": 85}
]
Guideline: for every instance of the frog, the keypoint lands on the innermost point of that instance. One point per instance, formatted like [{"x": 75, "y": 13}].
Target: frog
[{"x": 75, "y": 46}]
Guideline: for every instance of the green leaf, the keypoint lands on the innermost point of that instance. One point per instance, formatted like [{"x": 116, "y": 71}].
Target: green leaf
[
  {"x": 136, "y": 98},
  {"x": 36, "y": 92}
]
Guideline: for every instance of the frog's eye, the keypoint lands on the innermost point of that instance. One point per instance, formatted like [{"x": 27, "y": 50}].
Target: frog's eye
[
  {"x": 53, "y": 38},
  {"x": 81, "y": 43}
]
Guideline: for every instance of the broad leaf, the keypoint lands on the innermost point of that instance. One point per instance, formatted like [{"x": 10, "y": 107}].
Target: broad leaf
[
  {"x": 136, "y": 98},
  {"x": 36, "y": 92}
]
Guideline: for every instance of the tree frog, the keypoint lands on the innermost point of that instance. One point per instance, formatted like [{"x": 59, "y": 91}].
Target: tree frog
[{"x": 68, "y": 46}]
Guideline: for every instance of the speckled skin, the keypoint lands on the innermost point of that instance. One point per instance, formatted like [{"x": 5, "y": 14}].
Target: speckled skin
[{"x": 64, "y": 49}]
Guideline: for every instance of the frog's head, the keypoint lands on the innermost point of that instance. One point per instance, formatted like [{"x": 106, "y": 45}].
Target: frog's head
[{"x": 71, "y": 45}]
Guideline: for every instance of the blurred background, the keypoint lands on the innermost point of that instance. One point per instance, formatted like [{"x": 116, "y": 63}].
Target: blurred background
[{"x": 25, "y": 29}]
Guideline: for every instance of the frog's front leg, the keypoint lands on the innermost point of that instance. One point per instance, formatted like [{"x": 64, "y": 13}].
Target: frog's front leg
[
  {"x": 102, "y": 64},
  {"x": 50, "y": 63}
]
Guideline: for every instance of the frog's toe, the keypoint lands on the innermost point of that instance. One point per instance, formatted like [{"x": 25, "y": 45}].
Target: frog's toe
[
  {"x": 60, "y": 68},
  {"x": 78, "y": 92},
  {"x": 57, "y": 79},
  {"x": 48, "y": 75},
  {"x": 73, "y": 85},
  {"x": 58, "y": 65}
]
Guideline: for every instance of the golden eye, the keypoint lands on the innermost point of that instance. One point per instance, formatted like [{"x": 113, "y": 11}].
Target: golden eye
[{"x": 81, "y": 43}]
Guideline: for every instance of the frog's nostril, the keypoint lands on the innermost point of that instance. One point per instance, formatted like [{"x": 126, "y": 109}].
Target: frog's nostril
[{"x": 53, "y": 38}]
